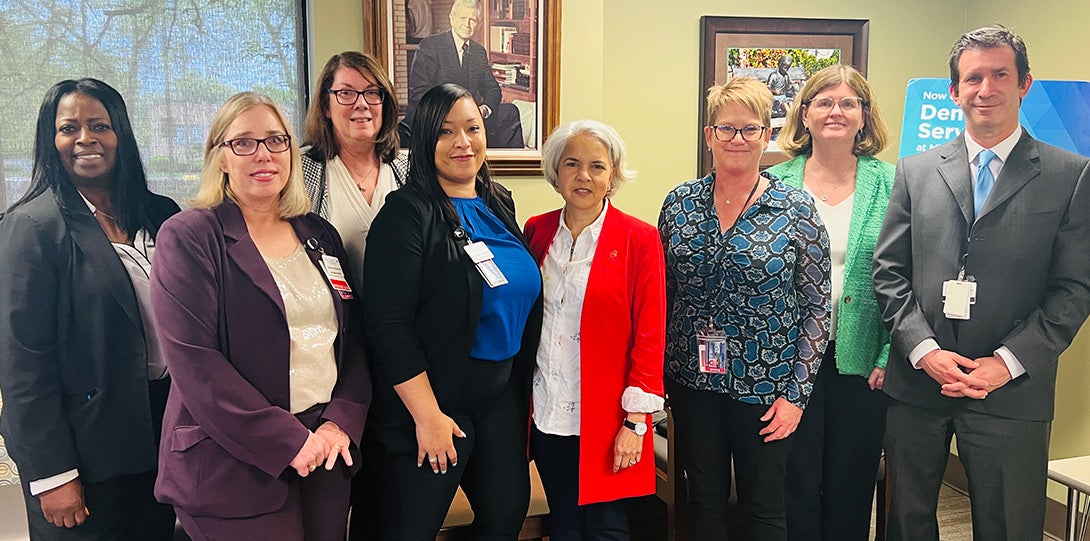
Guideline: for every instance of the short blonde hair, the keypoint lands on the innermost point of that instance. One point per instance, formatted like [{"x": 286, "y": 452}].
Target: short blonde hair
[
  {"x": 795, "y": 139},
  {"x": 556, "y": 143},
  {"x": 213, "y": 181},
  {"x": 746, "y": 91}
]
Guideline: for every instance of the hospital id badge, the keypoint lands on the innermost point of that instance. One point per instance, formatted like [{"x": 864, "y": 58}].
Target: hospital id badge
[
  {"x": 486, "y": 263},
  {"x": 335, "y": 274},
  {"x": 957, "y": 297},
  {"x": 711, "y": 345}
]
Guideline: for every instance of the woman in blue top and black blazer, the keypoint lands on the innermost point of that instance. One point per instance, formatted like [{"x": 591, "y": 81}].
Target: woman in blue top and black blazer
[
  {"x": 833, "y": 132},
  {"x": 453, "y": 355}
]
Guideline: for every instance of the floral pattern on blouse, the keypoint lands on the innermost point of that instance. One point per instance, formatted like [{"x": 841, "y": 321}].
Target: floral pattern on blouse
[{"x": 765, "y": 284}]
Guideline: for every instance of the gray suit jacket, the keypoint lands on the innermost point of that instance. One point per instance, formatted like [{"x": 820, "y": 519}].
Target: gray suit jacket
[{"x": 1029, "y": 253}]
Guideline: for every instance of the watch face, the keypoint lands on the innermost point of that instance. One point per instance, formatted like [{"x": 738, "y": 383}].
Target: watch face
[{"x": 641, "y": 429}]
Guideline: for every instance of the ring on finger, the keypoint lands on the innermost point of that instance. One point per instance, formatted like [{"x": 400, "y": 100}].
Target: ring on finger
[
  {"x": 434, "y": 459},
  {"x": 312, "y": 467}
]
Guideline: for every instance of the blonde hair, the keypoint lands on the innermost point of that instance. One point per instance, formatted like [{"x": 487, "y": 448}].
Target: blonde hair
[
  {"x": 746, "y": 91},
  {"x": 213, "y": 181},
  {"x": 795, "y": 139}
]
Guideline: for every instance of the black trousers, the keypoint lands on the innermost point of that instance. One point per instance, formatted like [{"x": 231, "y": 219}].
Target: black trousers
[
  {"x": 714, "y": 430},
  {"x": 1005, "y": 460},
  {"x": 492, "y": 469},
  {"x": 122, "y": 508},
  {"x": 557, "y": 459},
  {"x": 504, "y": 127},
  {"x": 834, "y": 458}
]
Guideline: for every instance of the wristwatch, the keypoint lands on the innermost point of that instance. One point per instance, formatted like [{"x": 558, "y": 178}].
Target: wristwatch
[{"x": 639, "y": 428}]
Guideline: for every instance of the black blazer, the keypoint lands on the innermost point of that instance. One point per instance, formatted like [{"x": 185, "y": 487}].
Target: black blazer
[
  {"x": 422, "y": 301},
  {"x": 73, "y": 362}
]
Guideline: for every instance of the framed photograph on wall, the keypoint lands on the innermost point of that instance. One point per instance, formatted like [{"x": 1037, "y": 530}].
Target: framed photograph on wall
[
  {"x": 507, "y": 52},
  {"x": 782, "y": 53}
]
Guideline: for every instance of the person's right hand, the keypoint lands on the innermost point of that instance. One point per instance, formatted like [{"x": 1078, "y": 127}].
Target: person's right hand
[
  {"x": 435, "y": 442},
  {"x": 63, "y": 506},
  {"x": 314, "y": 452},
  {"x": 946, "y": 367}
]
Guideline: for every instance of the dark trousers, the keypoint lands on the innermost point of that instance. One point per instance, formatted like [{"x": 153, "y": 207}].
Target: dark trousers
[
  {"x": 504, "y": 127},
  {"x": 834, "y": 458},
  {"x": 557, "y": 459},
  {"x": 492, "y": 467},
  {"x": 1005, "y": 460},
  {"x": 122, "y": 508},
  {"x": 712, "y": 431}
]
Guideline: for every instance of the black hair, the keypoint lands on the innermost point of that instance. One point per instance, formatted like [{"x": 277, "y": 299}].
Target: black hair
[
  {"x": 129, "y": 192},
  {"x": 427, "y": 124}
]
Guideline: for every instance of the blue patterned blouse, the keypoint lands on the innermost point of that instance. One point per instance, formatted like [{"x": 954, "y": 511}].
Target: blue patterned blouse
[{"x": 764, "y": 283}]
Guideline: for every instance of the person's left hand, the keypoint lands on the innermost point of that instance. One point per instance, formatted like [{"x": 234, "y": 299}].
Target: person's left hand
[
  {"x": 338, "y": 443},
  {"x": 785, "y": 418},
  {"x": 877, "y": 378},
  {"x": 627, "y": 447},
  {"x": 991, "y": 371}
]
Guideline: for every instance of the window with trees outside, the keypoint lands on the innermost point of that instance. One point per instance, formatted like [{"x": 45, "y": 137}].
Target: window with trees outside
[{"x": 174, "y": 61}]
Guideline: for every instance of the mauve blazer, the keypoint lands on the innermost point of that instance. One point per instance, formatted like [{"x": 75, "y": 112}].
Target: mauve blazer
[{"x": 228, "y": 433}]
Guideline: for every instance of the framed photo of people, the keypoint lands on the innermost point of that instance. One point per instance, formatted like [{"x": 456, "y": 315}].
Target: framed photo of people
[
  {"x": 783, "y": 53},
  {"x": 506, "y": 52}
]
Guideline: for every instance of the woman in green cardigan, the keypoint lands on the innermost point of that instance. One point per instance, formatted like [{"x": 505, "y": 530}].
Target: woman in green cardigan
[{"x": 833, "y": 132}]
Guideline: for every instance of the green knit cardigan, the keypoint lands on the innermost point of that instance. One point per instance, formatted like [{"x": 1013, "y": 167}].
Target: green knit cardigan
[{"x": 862, "y": 341}]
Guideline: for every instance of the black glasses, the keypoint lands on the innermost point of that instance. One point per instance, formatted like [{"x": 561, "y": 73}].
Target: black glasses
[
  {"x": 347, "y": 96},
  {"x": 246, "y": 146},
  {"x": 847, "y": 105},
  {"x": 726, "y": 132}
]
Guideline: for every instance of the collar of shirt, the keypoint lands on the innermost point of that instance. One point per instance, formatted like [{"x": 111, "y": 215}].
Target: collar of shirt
[
  {"x": 458, "y": 43},
  {"x": 593, "y": 231},
  {"x": 1002, "y": 150}
]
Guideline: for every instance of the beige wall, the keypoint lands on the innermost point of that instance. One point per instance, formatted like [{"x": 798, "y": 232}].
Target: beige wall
[{"x": 634, "y": 64}]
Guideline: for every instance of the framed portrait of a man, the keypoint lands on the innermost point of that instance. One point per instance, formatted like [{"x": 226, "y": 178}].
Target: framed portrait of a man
[{"x": 505, "y": 52}]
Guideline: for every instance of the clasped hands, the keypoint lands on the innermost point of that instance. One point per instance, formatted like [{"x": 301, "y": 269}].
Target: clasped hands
[
  {"x": 322, "y": 445},
  {"x": 964, "y": 377}
]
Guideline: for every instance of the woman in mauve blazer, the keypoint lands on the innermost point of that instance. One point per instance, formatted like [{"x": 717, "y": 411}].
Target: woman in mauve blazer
[
  {"x": 599, "y": 365},
  {"x": 239, "y": 458}
]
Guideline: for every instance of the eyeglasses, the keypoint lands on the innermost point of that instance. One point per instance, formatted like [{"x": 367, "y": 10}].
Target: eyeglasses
[
  {"x": 846, "y": 104},
  {"x": 246, "y": 146},
  {"x": 726, "y": 132},
  {"x": 347, "y": 96}
]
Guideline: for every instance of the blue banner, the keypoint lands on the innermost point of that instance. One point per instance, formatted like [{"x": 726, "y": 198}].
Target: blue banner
[{"x": 1055, "y": 112}]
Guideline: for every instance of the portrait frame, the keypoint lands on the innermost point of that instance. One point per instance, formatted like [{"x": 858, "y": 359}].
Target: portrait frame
[
  {"x": 720, "y": 34},
  {"x": 382, "y": 26}
]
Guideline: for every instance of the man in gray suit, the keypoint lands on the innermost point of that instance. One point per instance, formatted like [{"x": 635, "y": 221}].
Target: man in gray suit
[{"x": 982, "y": 275}]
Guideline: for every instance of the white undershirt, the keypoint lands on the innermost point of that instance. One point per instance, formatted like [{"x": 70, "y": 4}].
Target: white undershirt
[
  {"x": 838, "y": 219},
  {"x": 350, "y": 213}
]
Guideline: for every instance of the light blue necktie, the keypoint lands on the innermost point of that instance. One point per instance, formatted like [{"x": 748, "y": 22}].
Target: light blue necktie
[{"x": 984, "y": 179}]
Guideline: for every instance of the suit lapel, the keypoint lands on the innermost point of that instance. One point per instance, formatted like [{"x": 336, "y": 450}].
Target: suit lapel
[
  {"x": 306, "y": 230},
  {"x": 1022, "y": 165},
  {"x": 954, "y": 169},
  {"x": 101, "y": 257},
  {"x": 244, "y": 253}
]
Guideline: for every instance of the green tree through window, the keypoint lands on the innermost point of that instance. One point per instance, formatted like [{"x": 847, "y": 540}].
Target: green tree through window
[{"x": 174, "y": 61}]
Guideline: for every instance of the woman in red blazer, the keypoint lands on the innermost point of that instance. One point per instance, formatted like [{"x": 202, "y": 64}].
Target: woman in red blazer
[{"x": 599, "y": 365}]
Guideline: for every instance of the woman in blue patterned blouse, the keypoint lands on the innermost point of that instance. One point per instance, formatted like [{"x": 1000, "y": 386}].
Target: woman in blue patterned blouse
[{"x": 747, "y": 289}]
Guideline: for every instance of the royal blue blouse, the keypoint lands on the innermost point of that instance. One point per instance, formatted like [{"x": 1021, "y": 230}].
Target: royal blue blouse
[
  {"x": 764, "y": 283},
  {"x": 504, "y": 309}
]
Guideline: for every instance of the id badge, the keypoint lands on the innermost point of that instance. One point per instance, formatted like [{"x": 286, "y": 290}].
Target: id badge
[
  {"x": 957, "y": 297},
  {"x": 485, "y": 262},
  {"x": 711, "y": 346},
  {"x": 335, "y": 274}
]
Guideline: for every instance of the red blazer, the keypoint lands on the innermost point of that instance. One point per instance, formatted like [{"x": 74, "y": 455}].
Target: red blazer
[{"x": 623, "y": 338}]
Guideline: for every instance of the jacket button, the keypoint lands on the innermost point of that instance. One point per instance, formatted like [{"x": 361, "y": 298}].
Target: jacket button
[{"x": 847, "y": 299}]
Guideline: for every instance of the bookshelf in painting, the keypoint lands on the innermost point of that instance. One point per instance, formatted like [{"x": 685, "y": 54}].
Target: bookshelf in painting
[{"x": 510, "y": 35}]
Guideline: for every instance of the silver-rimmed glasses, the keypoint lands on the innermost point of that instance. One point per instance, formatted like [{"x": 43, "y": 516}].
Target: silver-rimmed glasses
[{"x": 848, "y": 104}]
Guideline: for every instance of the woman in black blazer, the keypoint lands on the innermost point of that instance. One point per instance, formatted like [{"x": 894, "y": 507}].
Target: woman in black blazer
[
  {"x": 83, "y": 382},
  {"x": 453, "y": 356}
]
